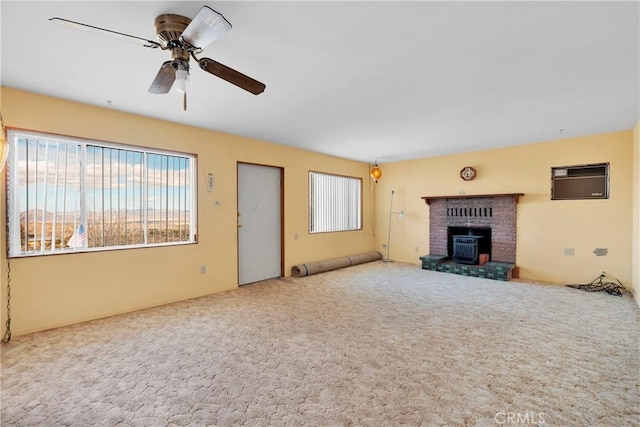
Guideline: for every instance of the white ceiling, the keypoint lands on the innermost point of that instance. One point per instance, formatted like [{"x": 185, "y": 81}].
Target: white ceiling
[{"x": 360, "y": 80}]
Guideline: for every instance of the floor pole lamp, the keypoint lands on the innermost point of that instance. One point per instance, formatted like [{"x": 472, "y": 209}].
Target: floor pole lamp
[{"x": 400, "y": 216}]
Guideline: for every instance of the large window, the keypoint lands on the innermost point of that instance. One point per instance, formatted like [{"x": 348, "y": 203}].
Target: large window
[
  {"x": 67, "y": 195},
  {"x": 335, "y": 203}
]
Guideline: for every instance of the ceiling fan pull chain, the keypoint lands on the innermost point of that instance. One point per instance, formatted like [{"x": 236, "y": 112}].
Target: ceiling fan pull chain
[{"x": 184, "y": 102}]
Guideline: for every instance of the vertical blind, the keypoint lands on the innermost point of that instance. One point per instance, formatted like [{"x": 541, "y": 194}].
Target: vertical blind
[{"x": 335, "y": 203}]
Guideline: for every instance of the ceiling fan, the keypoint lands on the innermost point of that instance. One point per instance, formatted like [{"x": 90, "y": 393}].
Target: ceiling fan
[{"x": 185, "y": 38}]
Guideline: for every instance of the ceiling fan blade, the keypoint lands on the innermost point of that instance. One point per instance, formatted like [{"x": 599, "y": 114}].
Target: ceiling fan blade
[
  {"x": 102, "y": 31},
  {"x": 207, "y": 26},
  {"x": 232, "y": 76},
  {"x": 164, "y": 79}
]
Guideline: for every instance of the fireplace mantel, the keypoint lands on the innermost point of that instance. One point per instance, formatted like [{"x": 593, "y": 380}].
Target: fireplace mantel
[{"x": 428, "y": 199}]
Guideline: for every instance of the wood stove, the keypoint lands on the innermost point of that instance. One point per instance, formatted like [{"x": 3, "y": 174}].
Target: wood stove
[
  {"x": 467, "y": 244},
  {"x": 465, "y": 249}
]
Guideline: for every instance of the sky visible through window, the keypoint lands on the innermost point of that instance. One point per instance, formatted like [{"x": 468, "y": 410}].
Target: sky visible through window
[{"x": 113, "y": 177}]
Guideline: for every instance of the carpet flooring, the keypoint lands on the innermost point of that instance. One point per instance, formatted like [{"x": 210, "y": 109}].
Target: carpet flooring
[{"x": 371, "y": 345}]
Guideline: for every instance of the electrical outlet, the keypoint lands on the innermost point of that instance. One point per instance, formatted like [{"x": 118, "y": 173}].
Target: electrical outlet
[
  {"x": 203, "y": 269},
  {"x": 569, "y": 251},
  {"x": 384, "y": 246},
  {"x": 417, "y": 249}
]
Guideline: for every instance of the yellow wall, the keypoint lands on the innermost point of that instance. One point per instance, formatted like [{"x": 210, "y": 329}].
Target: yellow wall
[
  {"x": 545, "y": 228},
  {"x": 636, "y": 213},
  {"x": 51, "y": 291}
]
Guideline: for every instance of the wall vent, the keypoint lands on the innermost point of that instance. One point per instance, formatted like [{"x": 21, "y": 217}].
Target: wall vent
[{"x": 580, "y": 182}]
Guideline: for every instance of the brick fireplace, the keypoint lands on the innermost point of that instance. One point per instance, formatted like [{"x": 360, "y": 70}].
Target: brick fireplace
[{"x": 494, "y": 213}]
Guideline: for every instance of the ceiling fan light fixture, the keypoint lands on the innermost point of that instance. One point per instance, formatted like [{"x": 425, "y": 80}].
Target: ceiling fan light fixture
[{"x": 182, "y": 79}]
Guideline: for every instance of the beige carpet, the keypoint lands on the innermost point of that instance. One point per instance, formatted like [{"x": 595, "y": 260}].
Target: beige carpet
[{"x": 375, "y": 344}]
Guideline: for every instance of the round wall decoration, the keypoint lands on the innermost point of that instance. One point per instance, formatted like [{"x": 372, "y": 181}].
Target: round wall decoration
[{"x": 468, "y": 173}]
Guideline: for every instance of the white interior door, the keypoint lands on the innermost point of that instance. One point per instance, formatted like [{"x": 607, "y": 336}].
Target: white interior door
[{"x": 259, "y": 223}]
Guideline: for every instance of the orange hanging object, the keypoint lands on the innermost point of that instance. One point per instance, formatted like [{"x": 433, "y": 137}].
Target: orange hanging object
[{"x": 376, "y": 173}]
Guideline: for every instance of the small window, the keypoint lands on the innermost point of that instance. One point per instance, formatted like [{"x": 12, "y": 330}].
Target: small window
[
  {"x": 335, "y": 203},
  {"x": 68, "y": 195}
]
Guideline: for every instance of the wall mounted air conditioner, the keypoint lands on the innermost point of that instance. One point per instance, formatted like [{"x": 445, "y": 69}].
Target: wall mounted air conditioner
[{"x": 580, "y": 182}]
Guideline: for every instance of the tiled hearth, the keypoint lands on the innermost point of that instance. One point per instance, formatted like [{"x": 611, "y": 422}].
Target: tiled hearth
[
  {"x": 490, "y": 270},
  {"x": 495, "y": 211}
]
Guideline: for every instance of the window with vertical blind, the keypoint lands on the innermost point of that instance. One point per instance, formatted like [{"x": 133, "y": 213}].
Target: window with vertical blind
[
  {"x": 67, "y": 194},
  {"x": 335, "y": 203}
]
